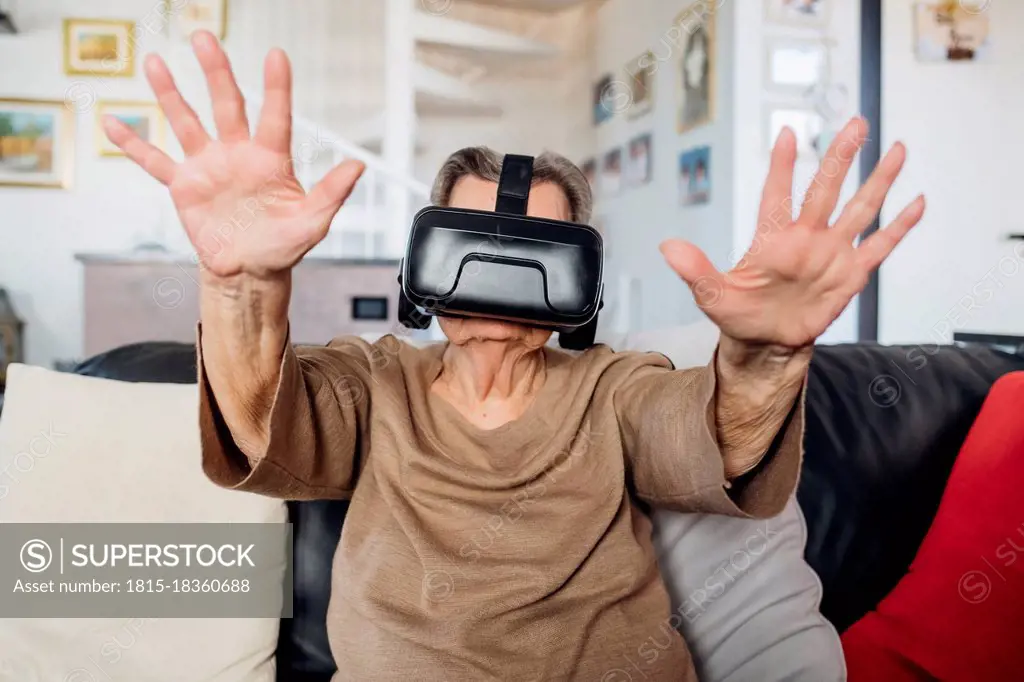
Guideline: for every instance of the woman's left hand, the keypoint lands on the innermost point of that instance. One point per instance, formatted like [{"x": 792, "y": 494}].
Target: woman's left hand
[{"x": 799, "y": 275}]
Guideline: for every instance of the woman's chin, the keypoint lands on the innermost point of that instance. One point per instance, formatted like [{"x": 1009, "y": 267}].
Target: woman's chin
[{"x": 463, "y": 330}]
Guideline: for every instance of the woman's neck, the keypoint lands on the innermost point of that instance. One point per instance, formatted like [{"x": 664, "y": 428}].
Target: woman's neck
[{"x": 491, "y": 382}]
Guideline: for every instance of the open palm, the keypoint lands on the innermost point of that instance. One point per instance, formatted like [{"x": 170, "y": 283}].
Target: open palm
[
  {"x": 799, "y": 275},
  {"x": 237, "y": 196}
]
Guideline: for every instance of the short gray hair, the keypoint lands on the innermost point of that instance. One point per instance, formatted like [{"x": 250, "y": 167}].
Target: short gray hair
[{"x": 485, "y": 163}]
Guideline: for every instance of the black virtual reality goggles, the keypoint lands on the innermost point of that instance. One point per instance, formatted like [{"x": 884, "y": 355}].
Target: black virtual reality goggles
[{"x": 504, "y": 265}]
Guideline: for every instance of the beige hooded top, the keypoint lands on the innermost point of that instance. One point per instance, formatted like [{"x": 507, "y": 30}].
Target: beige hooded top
[{"x": 518, "y": 553}]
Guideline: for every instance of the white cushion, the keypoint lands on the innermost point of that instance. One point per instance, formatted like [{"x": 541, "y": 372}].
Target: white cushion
[
  {"x": 686, "y": 346},
  {"x": 80, "y": 449},
  {"x": 743, "y": 596}
]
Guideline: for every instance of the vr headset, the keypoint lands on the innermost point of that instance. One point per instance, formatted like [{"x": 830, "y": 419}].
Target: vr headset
[{"x": 504, "y": 265}]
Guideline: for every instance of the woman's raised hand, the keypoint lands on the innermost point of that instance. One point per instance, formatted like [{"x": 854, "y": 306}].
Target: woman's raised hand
[
  {"x": 237, "y": 195},
  {"x": 799, "y": 275}
]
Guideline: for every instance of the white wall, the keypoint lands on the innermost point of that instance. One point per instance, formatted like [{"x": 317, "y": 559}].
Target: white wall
[
  {"x": 961, "y": 125},
  {"x": 638, "y": 219},
  {"x": 543, "y": 101},
  {"x": 336, "y": 50},
  {"x": 535, "y": 117},
  {"x": 112, "y": 205},
  {"x": 751, "y": 98}
]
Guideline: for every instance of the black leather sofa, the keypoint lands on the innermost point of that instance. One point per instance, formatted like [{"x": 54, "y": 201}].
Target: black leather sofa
[{"x": 884, "y": 425}]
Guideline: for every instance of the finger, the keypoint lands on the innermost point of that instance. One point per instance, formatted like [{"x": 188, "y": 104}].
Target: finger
[
  {"x": 275, "y": 127},
  {"x": 691, "y": 264},
  {"x": 183, "y": 119},
  {"x": 228, "y": 104},
  {"x": 147, "y": 156},
  {"x": 328, "y": 195},
  {"x": 867, "y": 202},
  {"x": 823, "y": 194},
  {"x": 777, "y": 197},
  {"x": 878, "y": 246}
]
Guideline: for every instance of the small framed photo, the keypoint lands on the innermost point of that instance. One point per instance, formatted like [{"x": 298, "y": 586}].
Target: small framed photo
[
  {"x": 957, "y": 33},
  {"x": 145, "y": 118},
  {"x": 611, "y": 172},
  {"x": 695, "y": 176},
  {"x": 37, "y": 143},
  {"x": 640, "y": 78},
  {"x": 807, "y": 124},
  {"x": 808, "y": 13},
  {"x": 639, "y": 163},
  {"x": 99, "y": 47},
  {"x": 794, "y": 66},
  {"x": 697, "y": 78},
  {"x": 589, "y": 168},
  {"x": 602, "y": 108},
  {"x": 196, "y": 15}
]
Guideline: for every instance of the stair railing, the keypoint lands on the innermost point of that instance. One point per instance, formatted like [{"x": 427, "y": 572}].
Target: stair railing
[{"x": 366, "y": 224}]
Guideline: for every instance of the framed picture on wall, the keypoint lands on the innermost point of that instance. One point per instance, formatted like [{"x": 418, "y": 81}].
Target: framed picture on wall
[
  {"x": 611, "y": 172},
  {"x": 696, "y": 77},
  {"x": 807, "y": 124},
  {"x": 99, "y": 47},
  {"x": 184, "y": 18},
  {"x": 602, "y": 89},
  {"x": 640, "y": 79},
  {"x": 794, "y": 66},
  {"x": 695, "y": 176},
  {"x": 948, "y": 32},
  {"x": 589, "y": 168},
  {"x": 145, "y": 118},
  {"x": 808, "y": 13},
  {"x": 37, "y": 143},
  {"x": 639, "y": 162}
]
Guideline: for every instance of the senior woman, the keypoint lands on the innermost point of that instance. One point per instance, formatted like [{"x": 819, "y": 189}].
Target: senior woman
[{"x": 500, "y": 488}]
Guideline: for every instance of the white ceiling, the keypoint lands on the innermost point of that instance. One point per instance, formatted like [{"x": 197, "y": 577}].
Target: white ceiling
[{"x": 565, "y": 26}]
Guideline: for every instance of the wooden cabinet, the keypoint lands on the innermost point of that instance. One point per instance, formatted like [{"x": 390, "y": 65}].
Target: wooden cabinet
[{"x": 154, "y": 297}]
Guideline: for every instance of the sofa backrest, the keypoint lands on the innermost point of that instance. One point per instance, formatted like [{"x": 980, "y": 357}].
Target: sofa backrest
[{"x": 884, "y": 425}]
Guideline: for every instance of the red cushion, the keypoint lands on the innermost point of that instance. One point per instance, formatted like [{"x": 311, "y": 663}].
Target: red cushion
[{"x": 958, "y": 614}]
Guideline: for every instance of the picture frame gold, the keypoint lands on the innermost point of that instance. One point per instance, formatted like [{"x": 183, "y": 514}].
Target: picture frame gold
[
  {"x": 98, "y": 61},
  {"x": 697, "y": 24},
  {"x": 123, "y": 110},
  {"x": 172, "y": 13},
  {"x": 25, "y": 161}
]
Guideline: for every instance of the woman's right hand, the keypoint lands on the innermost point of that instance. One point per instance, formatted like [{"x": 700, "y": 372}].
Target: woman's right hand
[{"x": 237, "y": 196}]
